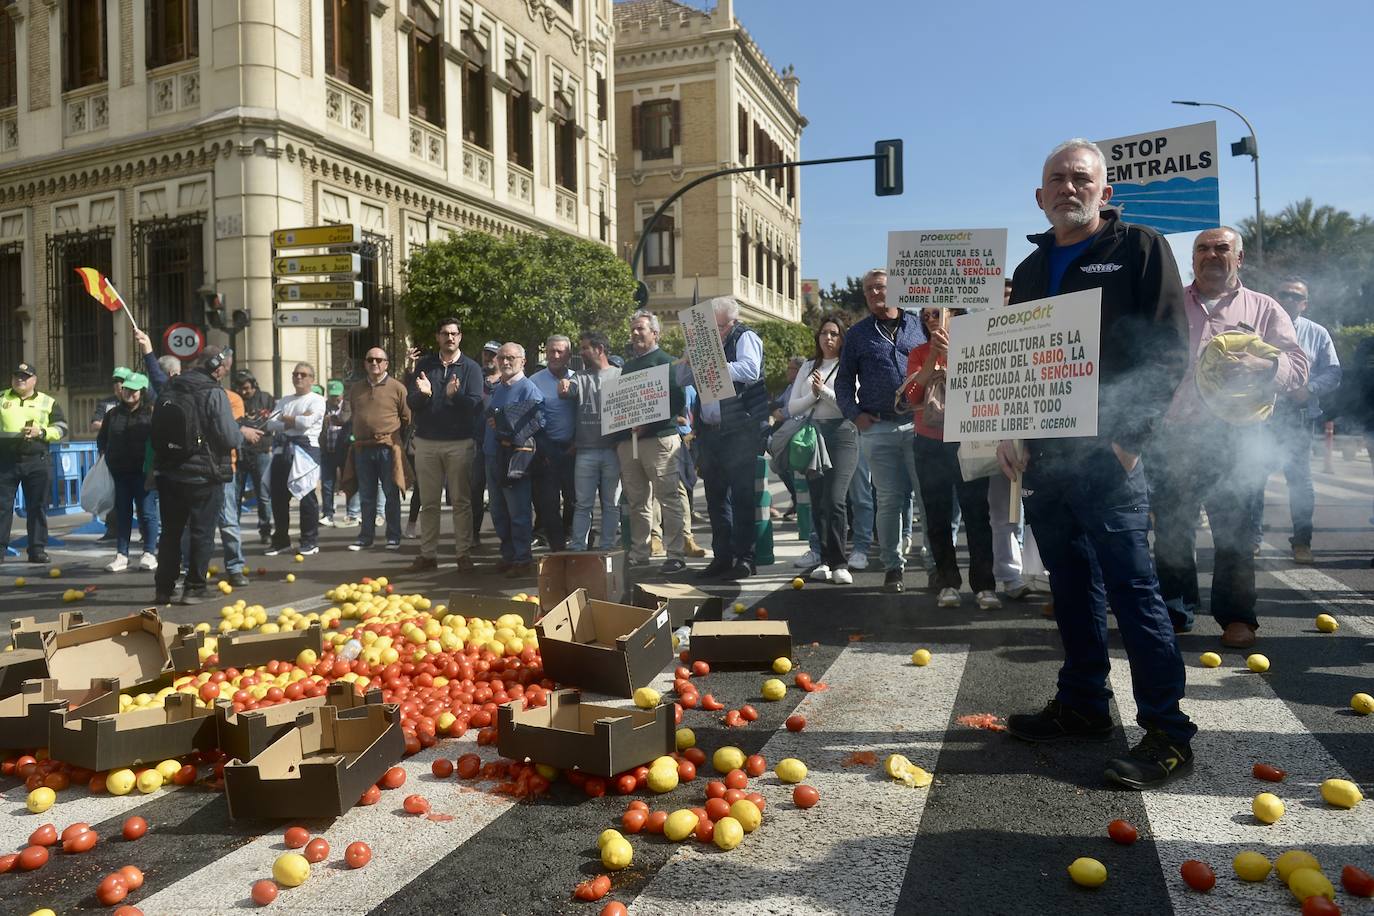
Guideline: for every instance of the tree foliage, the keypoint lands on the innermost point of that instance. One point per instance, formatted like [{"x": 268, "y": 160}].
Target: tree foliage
[
  {"x": 848, "y": 299},
  {"x": 519, "y": 288}
]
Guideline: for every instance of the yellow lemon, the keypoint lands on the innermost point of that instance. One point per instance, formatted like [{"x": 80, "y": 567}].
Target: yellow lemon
[
  {"x": 120, "y": 782},
  {"x": 739, "y": 607},
  {"x": 728, "y": 833},
  {"x": 617, "y": 853},
  {"x": 920, "y": 658},
  {"x": 149, "y": 781},
  {"x": 664, "y": 761},
  {"x": 728, "y": 758},
  {"x": 168, "y": 769},
  {"x": 20, "y": 581},
  {"x": 1341, "y": 793},
  {"x": 1087, "y": 872},
  {"x": 290, "y": 577},
  {"x": 797, "y": 584},
  {"x": 606, "y": 836},
  {"x": 55, "y": 573},
  {"x": 1362, "y": 703},
  {"x": 747, "y": 813},
  {"x": 1267, "y": 807},
  {"x": 300, "y": 558},
  {"x": 791, "y": 770},
  {"x": 1257, "y": 663},
  {"x": 646, "y": 698},
  {"x": 1251, "y": 866},
  {"x": 680, "y": 825},
  {"x": 1292, "y": 860},
  {"x": 662, "y": 779},
  {"x": 291, "y": 869},
  {"x": 782, "y": 665},
  {"x": 1327, "y": 624},
  {"x": 773, "y": 689},
  {"x": 1210, "y": 660},
  {"x": 903, "y": 770},
  {"x": 1308, "y": 882},
  {"x": 41, "y": 799},
  {"x": 686, "y": 738}
]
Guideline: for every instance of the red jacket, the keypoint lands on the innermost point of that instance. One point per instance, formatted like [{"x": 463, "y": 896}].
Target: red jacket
[{"x": 916, "y": 394}]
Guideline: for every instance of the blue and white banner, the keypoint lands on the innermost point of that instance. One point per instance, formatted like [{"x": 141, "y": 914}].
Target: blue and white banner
[{"x": 1166, "y": 179}]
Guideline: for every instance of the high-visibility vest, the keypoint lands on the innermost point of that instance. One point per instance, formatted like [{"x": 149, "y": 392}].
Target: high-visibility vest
[{"x": 15, "y": 414}]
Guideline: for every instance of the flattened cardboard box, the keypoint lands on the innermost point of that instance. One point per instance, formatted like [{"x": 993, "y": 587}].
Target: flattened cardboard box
[
  {"x": 25, "y": 717},
  {"x": 247, "y": 734},
  {"x": 600, "y": 573},
  {"x": 40, "y": 632},
  {"x": 320, "y": 768},
  {"x": 130, "y": 649},
  {"x": 740, "y": 643},
  {"x": 130, "y": 738},
  {"x": 603, "y": 647},
  {"x": 491, "y": 608},
  {"x": 683, "y": 602},
  {"x": 600, "y": 740},
  {"x": 244, "y": 650}
]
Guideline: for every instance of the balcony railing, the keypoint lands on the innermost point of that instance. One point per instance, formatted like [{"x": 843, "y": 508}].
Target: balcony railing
[
  {"x": 427, "y": 143},
  {"x": 566, "y": 206},
  {"x": 519, "y": 183},
  {"x": 173, "y": 89},
  {"x": 86, "y": 110},
  {"x": 348, "y": 108},
  {"x": 477, "y": 166},
  {"x": 9, "y": 131}
]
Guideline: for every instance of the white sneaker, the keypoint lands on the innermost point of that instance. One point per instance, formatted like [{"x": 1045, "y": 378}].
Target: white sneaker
[
  {"x": 806, "y": 560},
  {"x": 820, "y": 574},
  {"x": 309, "y": 551},
  {"x": 326, "y": 522},
  {"x": 841, "y": 576},
  {"x": 118, "y": 564},
  {"x": 147, "y": 561},
  {"x": 858, "y": 560},
  {"x": 988, "y": 601},
  {"x": 1015, "y": 590},
  {"x": 350, "y": 522},
  {"x": 949, "y": 597}
]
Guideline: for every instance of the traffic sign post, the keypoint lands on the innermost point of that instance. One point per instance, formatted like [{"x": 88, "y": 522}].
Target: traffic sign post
[
  {"x": 335, "y": 282},
  {"x": 320, "y": 318},
  {"x": 317, "y": 264},
  {"x": 316, "y": 237},
  {"x": 184, "y": 341},
  {"x": 318, "y": 292}
]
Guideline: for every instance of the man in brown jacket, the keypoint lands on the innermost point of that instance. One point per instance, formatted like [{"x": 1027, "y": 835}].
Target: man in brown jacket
[{"x": 380, "y": 416}]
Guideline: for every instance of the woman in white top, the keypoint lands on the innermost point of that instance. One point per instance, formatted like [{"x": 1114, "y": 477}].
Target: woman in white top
[
  {"x": 813, "y": 392},
  {"x": 297, "y": 421}
]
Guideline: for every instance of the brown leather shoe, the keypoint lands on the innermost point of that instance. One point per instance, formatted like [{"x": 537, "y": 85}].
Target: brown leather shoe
[
  {"x": 1238, "y": 635},
  {"x": 1302, "y": 553},
  {"x": 1048, "y": 609},
  {"x": 691, "y": 548},
  {"x": 421, "y": 563},
  {"x": 521, "y": 571},
  {"x": 465, "y": 562}
]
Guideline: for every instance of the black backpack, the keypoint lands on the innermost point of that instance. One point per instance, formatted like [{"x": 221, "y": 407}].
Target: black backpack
[{"x": 176, "y": 431}]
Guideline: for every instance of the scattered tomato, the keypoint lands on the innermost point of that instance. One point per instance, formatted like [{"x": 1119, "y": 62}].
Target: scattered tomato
[
  {"x": 655, "y": 822},
  {"x": 7, "y": 862},
  {"x": 705, "y": 830},
  {"x": 717, "y": 808},
  {"x": 715, "y": 789},
  {"x": 112, "y": 890},
  {"x": 1267, "y": 773},
  {"x": 1357, "y": 881},
  {"x": 134, "y": 828},
  {"x": 1317, "y": 905},
  {"x": 626, "y": 783},
  {"x": 737, "y": 779},
  {"x": 686, "y": 771},
  {"x": 634, "y": 819},
  {"x": 700, "y": 669},
  {"x": 393, "y": 778},
  {"x": 759, "y": 801},
  {"x": 80, "y": 842},
  {"x": 696, "y": 755},
  {"x": 711, "y": 704},
  {"x": 296, "y": 837},
  {"x": 756, "y": 765},
  {"x": 371, "y": 796},
  {"x": 469, "y": 765},
  {"x": 317, "y": 850},
  {"x": 44, "y": 836},
  {"x": 33, "y": 857},
  {"x": 133, "y": 877},
  {"x": 1198, "y": 875},
  {"x": 185, "y": 776},
  {"x": 1122, "y": 832},
  {"x": 442, "y": 767},
  {"x": 733, "y": 719},
  {"x": 638, "y": 803},
  {"x": 804, "y": 796},
  {"x": 357, "y": 854},
  {"x": 748, "y": 713},
  {"x": 761, "y": 613},
  {"x": 264, "y": 891},
  {"x": 795, "y": 723},
  {"x": 416, "y": 804}
]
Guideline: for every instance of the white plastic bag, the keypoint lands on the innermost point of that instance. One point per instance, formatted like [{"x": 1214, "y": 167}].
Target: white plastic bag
[
  {"x": 98, "y": 490},
  {"x": 978, "y": 459},
  {"x": 305, "y": 474}
]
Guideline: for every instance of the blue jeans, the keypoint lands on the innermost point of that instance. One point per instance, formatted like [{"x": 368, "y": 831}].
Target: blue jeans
[
  {"x": 372, "y": 465},
  {"x": 861, "y": 505},
  {"x": 727, "y": 462},
  {"x": 257, "y": 466},
  {"x": 887, "y": 446},
  {"x": 512, "y": 514},
  {"x": 229, "y": 532},
  {"x": 596, "y": 470},
  {"x": 131, "y": 495},
  {"x": 1091, "y": 519},
  {"x": 1291, "y": 434}
]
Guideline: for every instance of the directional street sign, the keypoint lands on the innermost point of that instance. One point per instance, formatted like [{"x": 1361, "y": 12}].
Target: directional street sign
[
  {"x": 316, "y": 236},
  {"x": 320, "y": 318},
  {"x": 317, "y": 264},
  {"x": 318, "y": 292}
]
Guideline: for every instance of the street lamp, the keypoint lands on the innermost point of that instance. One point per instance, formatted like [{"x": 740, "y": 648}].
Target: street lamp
[{"x": 1246, "y": 146}]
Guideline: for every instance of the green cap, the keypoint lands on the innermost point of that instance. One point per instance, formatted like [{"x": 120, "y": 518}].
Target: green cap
[
  {"x": 122, "y": 374},
  {"x": 335, "y": 387},
  {"x": 317, "y": 389},
  {"x": 136, "y": 381}
]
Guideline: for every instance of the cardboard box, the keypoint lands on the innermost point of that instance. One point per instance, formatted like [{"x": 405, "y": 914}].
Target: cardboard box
[
  {"x": 145, "y": 736},
  {"x": 245, "y": 735},
  {"x": 66, "y": 620},
  {"x": 600, "y": 573},
  {"x": 492, "y": 608},
  {"x": 320, "y": 768},
  {"x": 244, "y": 650},
  {"x": 18, "y": 666},
  {"x": 600, "y": 740},
  {"x": 683, "y": 602},
  {"x": 604, "y": 647},
  {"x": 129, "y": 649},
  {"x": 25, "y": 716},
  {"x": 740, "y": 643}
]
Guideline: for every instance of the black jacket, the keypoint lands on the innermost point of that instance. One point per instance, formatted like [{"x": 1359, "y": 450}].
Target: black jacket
[
  {"x": 218, "y": 428},
  {"x": 1144, "y": 327},
  {"x": 124, "y": 436},
  {"x": 436, "y": 415},
  {"x": 255, "y": 410}
]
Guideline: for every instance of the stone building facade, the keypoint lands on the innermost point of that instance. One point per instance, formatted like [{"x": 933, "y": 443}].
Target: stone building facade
[
  {"x": 162, "y": 141},
  {"x": 694, "y": 93}
]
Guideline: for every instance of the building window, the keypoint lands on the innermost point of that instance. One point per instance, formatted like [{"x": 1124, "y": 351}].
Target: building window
[
  {"x": 11, "y": 302},
  {"x": 476, "y": 95},
  {"x": 659, "y": 257},
  {"x": 758, "y": 262},
  {"x": 566, "y": 4},
  {"x": 743, "y": 129},
  {"x": 744, "y": 254},
  {"x": 791, "y": 281},
  {"x": 173, "y": 31},
  {"x": 768, "y": 261},
  {"x": 169, "y": 266},
  {"x": 565, "y": 143},
  {"x": 83, "y": 38},
  {"x": 9, "y": 64},
  {"x": 84, "y": 351},
  {"x": 426, "y": 67},
  {"x": 519, "y": 118},
  {"x": 348, "y": 42},
  {"x": 656, "y": 128},
  {"x": 602, "y": 100},
  {"x": 605, "y": 220}
]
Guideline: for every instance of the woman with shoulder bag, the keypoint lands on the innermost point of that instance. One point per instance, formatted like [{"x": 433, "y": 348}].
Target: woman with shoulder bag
[
  {"x": 937, "y": 468},
  {"x": 123, "y": 441},
  {"x": 813, "y": 392}
]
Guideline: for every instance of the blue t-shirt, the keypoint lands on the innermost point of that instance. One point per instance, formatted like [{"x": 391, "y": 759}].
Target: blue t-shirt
[
  {"x": 560, "y": 414},
  {"x": 1061, "y": 256}
]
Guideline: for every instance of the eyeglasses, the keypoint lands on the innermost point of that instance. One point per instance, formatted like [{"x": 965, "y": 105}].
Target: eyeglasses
[
  {"x": 1287, "y": 296},
  {"x": 376, "y": 359},
  {"x": 302, "y": 375},
  {"x": 504, "y": 358}
]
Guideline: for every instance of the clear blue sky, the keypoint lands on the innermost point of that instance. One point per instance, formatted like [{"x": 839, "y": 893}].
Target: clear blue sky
[{"x": 980, "y": 91}]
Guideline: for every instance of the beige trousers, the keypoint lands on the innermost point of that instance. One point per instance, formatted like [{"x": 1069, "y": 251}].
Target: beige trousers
[
  {"x": 437, "y": 461},
  {"x": 653, "y": 476}
]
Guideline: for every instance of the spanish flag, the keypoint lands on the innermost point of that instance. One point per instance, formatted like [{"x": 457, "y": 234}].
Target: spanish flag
[{"x": 100, "y": 288}]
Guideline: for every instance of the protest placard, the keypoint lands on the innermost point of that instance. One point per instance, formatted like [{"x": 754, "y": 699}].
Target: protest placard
[
  {"x": 705, "y": 354},
  {"x": 635, "y": 399},
  {"x": 946, "y": 268},
  {"x": 1027, "y": 371},
  {"x": 1166, "y": 179}
]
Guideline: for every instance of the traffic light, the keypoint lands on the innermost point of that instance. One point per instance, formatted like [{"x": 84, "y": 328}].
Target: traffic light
[
  {"x": 1245, "y": 146},
  {"x": 887, "y": 168}
]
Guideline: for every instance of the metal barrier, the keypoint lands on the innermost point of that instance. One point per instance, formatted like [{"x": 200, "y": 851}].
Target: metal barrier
[{"x": 71, "y": 462}]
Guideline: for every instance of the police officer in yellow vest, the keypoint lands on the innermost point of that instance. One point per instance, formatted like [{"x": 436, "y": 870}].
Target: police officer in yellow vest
[{"x": 29, "y": 422}]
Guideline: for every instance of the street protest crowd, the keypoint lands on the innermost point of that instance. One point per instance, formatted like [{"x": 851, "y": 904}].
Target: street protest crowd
[{"x": 1205, "y": 391}]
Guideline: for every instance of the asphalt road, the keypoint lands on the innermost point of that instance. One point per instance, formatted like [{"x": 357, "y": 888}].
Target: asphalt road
[{"x": 993, "y": 834}]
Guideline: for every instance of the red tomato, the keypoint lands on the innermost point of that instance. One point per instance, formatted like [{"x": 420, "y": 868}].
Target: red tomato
[
  {"x": 696, "y": 755},
  {"x": 655, "y": 822},
  {"x": 33, "y": 857},
  {"x": 641, "y": 776},
  {"x": 700, "y": 669},
  {"x": 317, "y": 850},
  {"x": 25, "y": 766},
  {"x": 614, "y": 908},
  {"x": 80, "y": 842},
  {"x": 677, "y": 713},
  {"x": 634, "y": 819},
  {"x": 134, "y": 828},
  {"x": 754, "y": 766},
  {"x": 804, "y": 796},
  {"x": 296, "y": 837},
  {"x": 7, "y": 862},
  {"x": 734, "y": 795},
  {"x": 133, "y": 910},
  {"x": 1317, "y": 905},
  {"x": 1267, "y": 773},
  {"x": 133, "y": 878},
  {"x": 689, "y": 700},
  {"x": 393, "y": 778},
  {"x": 796, "y": 723},
  {"x": 717, "y": 808},
  {"x": 416, "y": 804},
  {"x": 711, "y": 704},
  {"x": 748, "y": 713},
  {"x": 44, "y": 836},
  {"x": 469, "y": 765},
  {"x": 761, "y": 613},
  {"x": 640, "y": 804},
  {"x": 686, "y": 771},
  {"x": 758, "y": 800},
  {"x": 1357, "y": 881},
  {"x": 803, "y": 680},
  {"x": 357, "y": 854},
  {"x": 442, "y": 767},
  {"x": 97, "y": 784},
  {"x": 184, "y": 776},
  {"x": 681, "y": 673},
  {"x": 593, "y": 889},
  {"x": 371, "y": 796},
  {"x": 705, "y": 830},
  {"x": 595, "y": 787},
  {"x": 112, "y": 890},
  {"x": 57, "y": 781},
  {"x": 1122, "y": 832},
  {"x": 715, "y": 789},
  {"x": 737, "y": 779},
  {"x": 732, "y": 719},
  {"x": 1198, "y": 875},
  {"x": 264, "y": 891},
  {"x": 626, "y": 783}
]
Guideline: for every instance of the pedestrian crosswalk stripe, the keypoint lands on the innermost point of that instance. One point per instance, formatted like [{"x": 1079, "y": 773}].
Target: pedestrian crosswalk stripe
[{"x": 1350, "y": 608}]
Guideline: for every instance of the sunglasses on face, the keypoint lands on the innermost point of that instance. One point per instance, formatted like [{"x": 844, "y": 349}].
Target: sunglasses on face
[
  {"x": 376, "y": 359},
  {"x": 301, "y": 375}
]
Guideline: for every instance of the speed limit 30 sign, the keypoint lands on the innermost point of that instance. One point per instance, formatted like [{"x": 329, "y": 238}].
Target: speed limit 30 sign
[{"x": 183, "y": 341}]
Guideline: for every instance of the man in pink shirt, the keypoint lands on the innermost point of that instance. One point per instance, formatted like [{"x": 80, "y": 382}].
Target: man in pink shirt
[{"x": 1201, "y": 458}]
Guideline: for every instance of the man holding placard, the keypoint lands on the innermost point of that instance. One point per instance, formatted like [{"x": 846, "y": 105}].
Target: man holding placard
[{"x": 1086, "y": 497}]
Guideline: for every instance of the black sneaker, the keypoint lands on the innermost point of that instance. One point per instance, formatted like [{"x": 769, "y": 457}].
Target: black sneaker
[
  {"x": 892, "y": 581},
  {"x": 193, "y": 596},
  {"x": 161, "y": 599},
  {"x": 716, "y": 568},
  {"x": 1057, "y": 721},
  {"x": 741, "y": 570},
  {"x": 39, "y": 557},
  {"x": 1153, "y": 762},
  {"x": 236, "y": 579},
  {"x": 672, "y": 566}
]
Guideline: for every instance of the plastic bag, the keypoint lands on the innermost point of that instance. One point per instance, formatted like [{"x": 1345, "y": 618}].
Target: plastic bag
[
  {"x": 305, "y": 474},
  {"x": 978, "y": 459},
  {"x": 98, "y": 490}
]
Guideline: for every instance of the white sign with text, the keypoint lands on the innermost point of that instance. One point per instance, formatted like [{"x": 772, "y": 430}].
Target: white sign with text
[
  {"x": 633, "y": 400},
  {"x": 705, "y": 354},
  {"x": 946, "y": 268}
]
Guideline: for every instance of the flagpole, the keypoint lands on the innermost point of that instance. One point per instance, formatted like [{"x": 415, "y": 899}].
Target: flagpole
[{"x": 124, "y": 305}]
